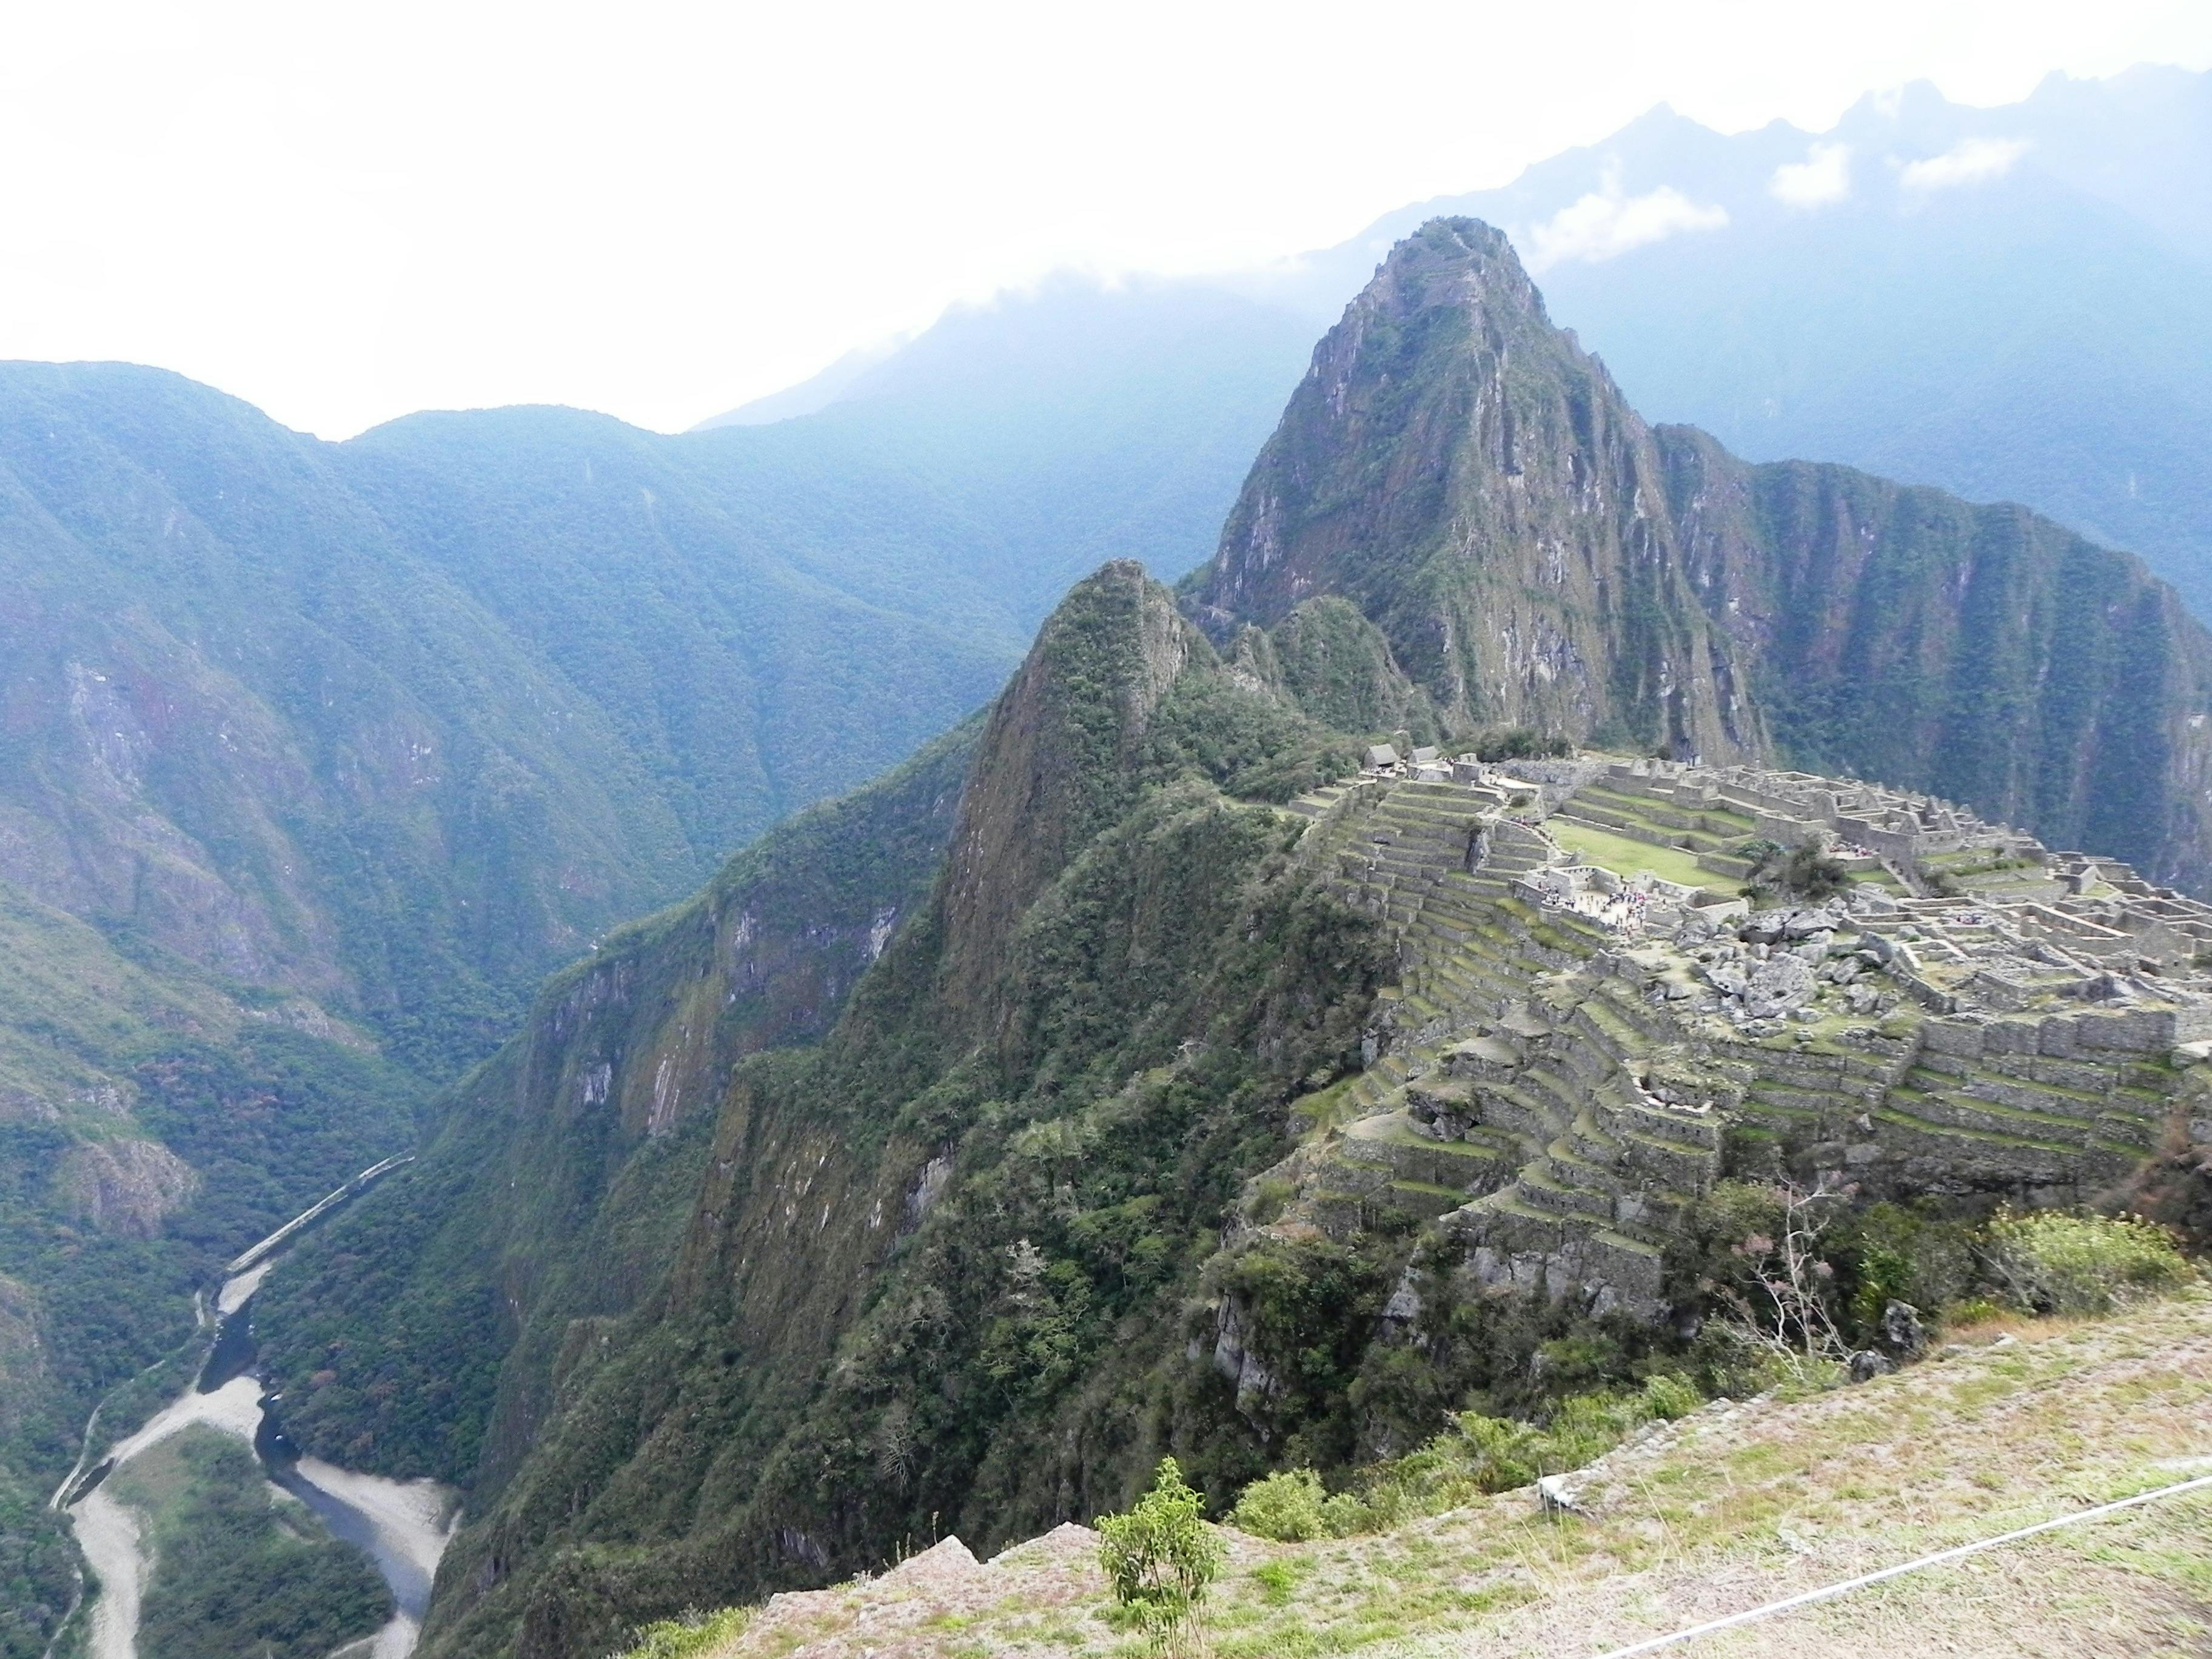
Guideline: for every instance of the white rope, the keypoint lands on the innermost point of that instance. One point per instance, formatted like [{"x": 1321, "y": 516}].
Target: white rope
[{"x": 1936, "y": 1559}]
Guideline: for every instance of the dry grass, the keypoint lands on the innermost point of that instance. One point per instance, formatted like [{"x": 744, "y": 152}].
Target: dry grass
[{"x": 1735, "y": 1506}]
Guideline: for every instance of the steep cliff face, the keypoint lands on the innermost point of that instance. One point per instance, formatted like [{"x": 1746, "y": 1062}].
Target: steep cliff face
[
  {"x": 691, "y": 1324},
  {"x": 566, "y": 1165},
  {"x": 1534, "y": 555},
  {"x": 1057, "y": 760},
  {"x": 1981, "y": 653},
  {"x": 1475, "y": 483}
]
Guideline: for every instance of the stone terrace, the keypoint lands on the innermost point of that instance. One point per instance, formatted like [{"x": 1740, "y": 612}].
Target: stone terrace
[{"x": 1560, "y": 1073}]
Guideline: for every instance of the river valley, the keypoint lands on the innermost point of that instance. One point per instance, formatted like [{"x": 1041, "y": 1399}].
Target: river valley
[{"x": 401, "y": 1526}]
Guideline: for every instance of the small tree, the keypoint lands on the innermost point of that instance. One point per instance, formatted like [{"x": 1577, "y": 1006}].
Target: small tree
[
  {"x": 1160, "y": 1558},
  {"x": 1788, "y": 1313}
]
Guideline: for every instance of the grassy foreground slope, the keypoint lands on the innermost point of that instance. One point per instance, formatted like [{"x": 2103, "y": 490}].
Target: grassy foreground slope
[{"x": 1737, "y": 1505}]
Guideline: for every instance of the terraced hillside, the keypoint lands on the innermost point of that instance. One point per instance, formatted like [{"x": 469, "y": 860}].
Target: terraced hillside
[{"x": 1575, "y": 1054}]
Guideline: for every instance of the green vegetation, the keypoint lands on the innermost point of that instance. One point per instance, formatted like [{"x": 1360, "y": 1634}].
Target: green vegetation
[
  {"x": 239, "y": 1568},
  {"x": 320, "y": 756},
  {"x": 691, "y": 1634},
  {"x": 964, "y": 1257},
  {"x": 1982, "y": 1438},
  {"x": 1519, "y": 743},
  {"x": 385, "y": 1333},
  {"x": 698, "y": 1322},
  {"x": 1626, "y": 857},
  {"x": 1804, "y": 875},
  {"x": 2052, "y": 1261},
  {"x": 38, "y": 1581},
  {"x": 1477, "y": 1454},
  {"x": 1024, "y": 1134},
  {"x": 110, "y": 1219},
  {"x": 1160, "y": 1559}
]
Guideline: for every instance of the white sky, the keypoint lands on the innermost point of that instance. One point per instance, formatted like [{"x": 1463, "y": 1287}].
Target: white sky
[{"x": 342, "y": 212}]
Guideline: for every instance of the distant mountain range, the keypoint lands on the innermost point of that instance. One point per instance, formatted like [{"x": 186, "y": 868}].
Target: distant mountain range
[
  {"x": 2013, "y": 304},
  {"x": 314, "y": 758}
]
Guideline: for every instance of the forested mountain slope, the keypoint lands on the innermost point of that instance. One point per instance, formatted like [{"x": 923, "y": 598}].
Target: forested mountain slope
[
  {"x": 1060, "y": 1066},
  {"x": 314, "y": 758}
]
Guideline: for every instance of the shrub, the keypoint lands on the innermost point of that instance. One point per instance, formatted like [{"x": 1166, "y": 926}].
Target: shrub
[
  {"x": 1477, "y": 1455},
  {"x": 1798, "y": 872},
  {"x": 2061, "y": 1262},
  {"x": 1667, "y": 1396},
  {"x": 689, "y": 1633},
  {"x": 1973, "y": 1311},
  {"x": 1520, "y": 742},
  {"x": 1893, "y": 1253},
  {"x": 1160, "y": 1558},
  {"x": 1286, "y": 1506}
]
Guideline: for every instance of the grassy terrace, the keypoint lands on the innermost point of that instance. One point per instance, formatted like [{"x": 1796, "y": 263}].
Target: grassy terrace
[
  {"x": 1734, "y": 1506},
  {"x": 1625, "y": 857}
]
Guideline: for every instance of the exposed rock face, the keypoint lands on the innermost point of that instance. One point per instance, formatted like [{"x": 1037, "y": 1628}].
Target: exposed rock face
[
  {"x": 1534, "y": 555},
  {"x": 124, "y": 1186},
  {"x": 1475, "y": 483}
]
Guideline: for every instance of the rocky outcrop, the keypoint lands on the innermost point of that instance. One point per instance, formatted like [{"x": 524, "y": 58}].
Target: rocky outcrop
[
  {"x": 123, "y": 1187},
  {"x": 1054, "y": 762}
]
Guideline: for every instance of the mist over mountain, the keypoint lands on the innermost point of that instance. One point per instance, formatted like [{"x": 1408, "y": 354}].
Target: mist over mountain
[
  {"x": 2013, "y": 304},
  {"x": 1080, "y": 423},
  {"x": 841, "y": 1110}
]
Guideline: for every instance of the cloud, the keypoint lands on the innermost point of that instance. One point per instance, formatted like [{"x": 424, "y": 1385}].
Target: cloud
[
  {"x": 1822, "y": 177},
  {"x": 1975, "y": 161},
  {"x": 1605, "y": 223}
]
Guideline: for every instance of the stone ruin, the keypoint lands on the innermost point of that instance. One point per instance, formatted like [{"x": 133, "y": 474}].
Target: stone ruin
[{"x": 1575, "y": 1052}]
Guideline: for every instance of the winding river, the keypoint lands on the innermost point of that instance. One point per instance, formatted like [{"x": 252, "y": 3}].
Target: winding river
[{"x": 403, "y": 1525}]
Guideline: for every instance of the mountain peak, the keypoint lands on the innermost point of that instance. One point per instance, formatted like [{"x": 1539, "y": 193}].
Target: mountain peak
[{"x": 1474, "y": 482}]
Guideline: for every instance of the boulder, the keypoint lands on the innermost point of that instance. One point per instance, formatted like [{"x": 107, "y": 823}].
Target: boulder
[
  {"x": 1867, "y": 1363},
  {"x": 1902, "y": 1333},
  {"x": 1778, "y": 985}
]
